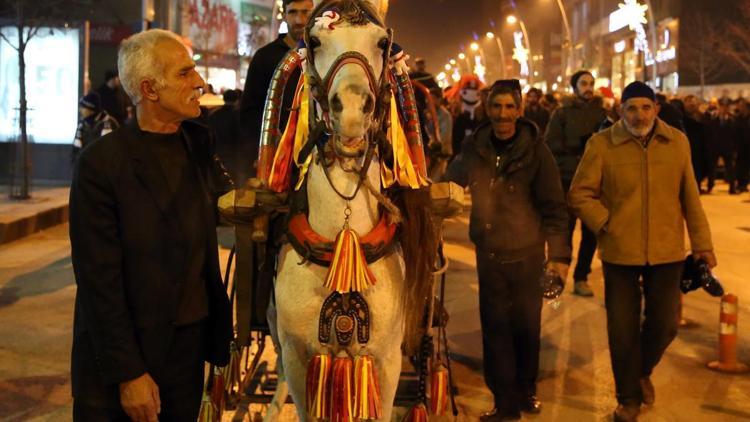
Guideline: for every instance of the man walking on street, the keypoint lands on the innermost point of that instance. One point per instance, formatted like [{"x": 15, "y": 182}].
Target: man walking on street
[
  {"x": 259, "y": 75},
  {"x": 518, "y": 210},
  {"x": 569, "y": 128},
  {"x": 723, "y": 140},
  {"x": 533, "y": 111},
  {"x": 150, "y": 307},
  {"x": 636, "y": 190}
]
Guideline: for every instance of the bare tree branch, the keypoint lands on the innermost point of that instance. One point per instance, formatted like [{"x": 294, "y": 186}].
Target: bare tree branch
[
  {"x": 737, "y": 46},
  {"x": 700, "y": 49},
  {"x": 3, "y": 37}
]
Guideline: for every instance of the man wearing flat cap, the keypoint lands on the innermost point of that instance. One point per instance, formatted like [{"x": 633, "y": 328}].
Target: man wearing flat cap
[
  {"x": 150, "y": 307},
  {"x": 635, "y": 189},
  {"x": 519, "y": 225}
]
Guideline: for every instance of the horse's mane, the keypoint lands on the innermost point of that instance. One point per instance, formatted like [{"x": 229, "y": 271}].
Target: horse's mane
[
  {"x": 419, "y": 239},
  {"x": 355, "y": 12}
]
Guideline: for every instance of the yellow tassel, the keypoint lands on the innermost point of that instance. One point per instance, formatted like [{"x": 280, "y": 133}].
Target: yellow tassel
[
  {"x": 417, "y": 413},
  {"x": 318, "y": 386},
  {"x": 439, "y": 391},
  {"x": 341, "y": 390},
  {"x": 348, "y": 270},
  {"x": 367, "y": 403},
  {"x": 404, "y": 171}
]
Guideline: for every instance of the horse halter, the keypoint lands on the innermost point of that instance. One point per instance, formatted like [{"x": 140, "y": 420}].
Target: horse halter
[{"x": 380, "y": 86}]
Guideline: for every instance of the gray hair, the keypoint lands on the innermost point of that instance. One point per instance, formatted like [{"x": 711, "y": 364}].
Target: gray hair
[{"x": 138, "y": 59}]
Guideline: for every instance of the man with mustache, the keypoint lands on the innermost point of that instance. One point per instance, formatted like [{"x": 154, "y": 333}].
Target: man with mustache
[
  {"x": 570, "y": 126},
  {"x": 150, "y": 308},
  {"x": 635, "y": 188},
  {"x": 518, "y": 213},
  {"x": 259, "y": 74}
]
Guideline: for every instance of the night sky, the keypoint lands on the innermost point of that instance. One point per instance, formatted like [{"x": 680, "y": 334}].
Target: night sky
[{"x": 435, "y": 29}]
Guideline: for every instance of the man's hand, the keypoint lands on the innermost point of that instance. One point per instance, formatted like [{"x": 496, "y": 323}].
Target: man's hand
[
  {"x": 560, "y": 267},
  {"x": 707, "y": 256},
  {"x": 140, "y": 399}
]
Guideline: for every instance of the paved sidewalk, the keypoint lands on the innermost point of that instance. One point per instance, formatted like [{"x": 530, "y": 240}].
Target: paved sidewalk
[
  {"x": 46, "y": 208},
  {"x": 36, "y": 308}
]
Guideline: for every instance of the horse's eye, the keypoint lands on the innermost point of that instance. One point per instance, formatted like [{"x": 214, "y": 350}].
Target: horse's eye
[
  {"x": 383, "y": 43},
  {"x": 314, "y": 43}
]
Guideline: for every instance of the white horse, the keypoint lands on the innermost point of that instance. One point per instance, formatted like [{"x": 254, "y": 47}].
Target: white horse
[{"x": 299, "y": 288}]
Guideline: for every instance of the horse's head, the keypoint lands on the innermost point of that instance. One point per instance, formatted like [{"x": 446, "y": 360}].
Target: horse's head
[{"x": 347, "y": 50}]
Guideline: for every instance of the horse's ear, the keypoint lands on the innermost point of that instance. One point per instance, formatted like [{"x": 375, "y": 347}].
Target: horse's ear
[{"x": 381, "y": 6}]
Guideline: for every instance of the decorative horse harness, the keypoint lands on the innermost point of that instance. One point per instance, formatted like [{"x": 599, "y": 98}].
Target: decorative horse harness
[{"x": 345, "y": 311}]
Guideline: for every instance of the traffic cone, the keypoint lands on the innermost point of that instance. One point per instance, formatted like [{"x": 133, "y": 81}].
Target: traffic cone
[{"x": 728, "y": 339}]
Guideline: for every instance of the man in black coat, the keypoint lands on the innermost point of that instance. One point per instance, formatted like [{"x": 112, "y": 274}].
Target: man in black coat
[
  {"x": 150, "y": 307},
  {"x": 113, "y": 100},
  {"x": 260, "y": 73},
  {"x": 519, "y": 223},
  {"x": 723, "y": 138}
]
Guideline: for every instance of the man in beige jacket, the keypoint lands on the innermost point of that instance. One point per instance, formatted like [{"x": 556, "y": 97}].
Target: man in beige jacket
[{"x": 635, "y": 189}]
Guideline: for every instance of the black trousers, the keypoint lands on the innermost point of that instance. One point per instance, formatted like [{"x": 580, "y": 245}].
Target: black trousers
[
  {"x": 587, "y": 247},
  {"x": 180, "y": 382},
  {"x": 636, "y": 348},
  {"x": 728, "y": 157},
  {"x": 510, "y": 307},
  {"x": 743, "y": 165}
]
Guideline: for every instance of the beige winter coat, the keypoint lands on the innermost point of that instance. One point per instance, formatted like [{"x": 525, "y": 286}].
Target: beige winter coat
[{"x": 638, "y": 199}]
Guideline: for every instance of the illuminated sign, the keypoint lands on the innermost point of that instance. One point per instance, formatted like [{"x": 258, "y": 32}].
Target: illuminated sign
[
  {"x": 661, "y": 56},
  {"x": 630, "y": 14},
  {"x": 51, "y": 86},
  {"x": 520, "y": 53},
  {"x": 479, "y": 68},
  {"x": 620, "y": 46}
]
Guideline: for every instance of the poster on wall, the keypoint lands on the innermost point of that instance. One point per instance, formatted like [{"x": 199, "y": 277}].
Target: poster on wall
[
  {"x": 51, "y": 86},
  {"x": 256, "y": 25},
  {"x": 211, "y": 25}
]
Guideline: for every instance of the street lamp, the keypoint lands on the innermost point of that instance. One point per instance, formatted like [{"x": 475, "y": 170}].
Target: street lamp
[
  {"x": 452, "y": 62},
  {"x": 447, "y": 67},
  {"x": 512, "y": 19},
  {"x": 474, "y": 46},
  {"x": 491, "y": 35},
  {"x": 568, "y": 41}
]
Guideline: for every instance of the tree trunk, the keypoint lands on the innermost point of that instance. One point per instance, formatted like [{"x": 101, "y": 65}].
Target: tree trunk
[{"x": 24, "y": 141}]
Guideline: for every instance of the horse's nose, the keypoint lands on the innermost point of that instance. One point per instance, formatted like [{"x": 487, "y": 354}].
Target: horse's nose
[{"x": 356, "y": 97}]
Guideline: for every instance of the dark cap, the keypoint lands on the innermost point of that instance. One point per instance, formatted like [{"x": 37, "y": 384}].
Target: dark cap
[
  {"x": 576, "y": 76},
  {"x": 638, "y": 89},
  {"x": 91, "y": 101}
]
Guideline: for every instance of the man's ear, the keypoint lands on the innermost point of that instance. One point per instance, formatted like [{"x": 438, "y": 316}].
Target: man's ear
[{"x": 148, "y": 90}]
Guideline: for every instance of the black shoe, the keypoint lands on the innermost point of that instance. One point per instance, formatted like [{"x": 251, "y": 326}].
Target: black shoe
[
  {"x": 495, "y": 415},
  {"x": 531, "y": 404},
  {"x": 648, "y": 391},
  {"x": 627, "y": 412}
]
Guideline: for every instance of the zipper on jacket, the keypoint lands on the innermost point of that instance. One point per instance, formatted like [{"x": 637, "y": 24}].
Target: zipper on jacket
[{"x": 495, "y": 176}]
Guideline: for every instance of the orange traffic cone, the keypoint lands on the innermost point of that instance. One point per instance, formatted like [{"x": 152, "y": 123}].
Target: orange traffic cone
[{"x": 728, "y": 339}]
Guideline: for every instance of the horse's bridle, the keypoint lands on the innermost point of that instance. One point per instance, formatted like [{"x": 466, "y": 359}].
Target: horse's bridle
[{"x": 320, "y": 87}]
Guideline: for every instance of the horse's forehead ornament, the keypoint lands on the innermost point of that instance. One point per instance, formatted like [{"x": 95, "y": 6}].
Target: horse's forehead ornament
[{"x": 328, "y": 19}]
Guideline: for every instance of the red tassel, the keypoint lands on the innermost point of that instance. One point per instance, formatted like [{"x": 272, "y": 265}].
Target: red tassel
[
  {"x": 367, "y": 403},
  {"x": 217, "y": 390},
  {"x": 349, "y": 270},
  {"x": 417, "y": 413},
  {"x": 318, "y": 386},
  {"x": 341, "y": 390},
  {"x": 439, "y": 391}
]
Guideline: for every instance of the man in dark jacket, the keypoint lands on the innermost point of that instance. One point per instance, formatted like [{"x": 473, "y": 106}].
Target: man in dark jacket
[
  {"x": 225, "y": 122},
  {"x": 695, "y": 129},
  {"x": 150, "y": 307},
  {"x": 518, "y": 209},
  {"x": 259, "y": 75},
  {"x": 533, "y": 111},
  {"x": 723, "y": 140},
  {"x": 569, "y": 128}
]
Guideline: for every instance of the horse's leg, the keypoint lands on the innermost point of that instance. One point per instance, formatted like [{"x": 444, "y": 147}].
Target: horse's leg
[{"x": 389, "y": 371}]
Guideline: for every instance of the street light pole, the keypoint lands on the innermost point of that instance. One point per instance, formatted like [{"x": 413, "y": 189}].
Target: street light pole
[
  {"x": 503, "y": 68},
  {"x": 568, "y": 42}
]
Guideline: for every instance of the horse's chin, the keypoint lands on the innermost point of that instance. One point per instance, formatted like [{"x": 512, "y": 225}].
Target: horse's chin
[{"x": 351, "y": 147}]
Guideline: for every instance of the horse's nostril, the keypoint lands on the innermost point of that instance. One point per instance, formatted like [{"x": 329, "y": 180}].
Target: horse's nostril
[
  {"x": 369, "y": 104},
  {"x": 336, "y": 104}
]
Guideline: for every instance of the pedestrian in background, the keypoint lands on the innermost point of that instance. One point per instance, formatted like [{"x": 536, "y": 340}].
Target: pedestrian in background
[
  {"x": 93, "y": 123},
  {"x": 534, "y": 111},
  {"x": 722, "y": 144},
  {"x": 113, "y": 99},
  {"x": 519, "y": 225},
  {"x": 569, "y": 129},
  {"x": 695, "y": 129},
  {"x": 150, "y": 306},
  {"x": 259, "y": 75},
  {"x": 639, "y": 217}
]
